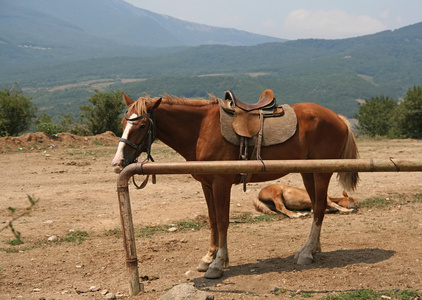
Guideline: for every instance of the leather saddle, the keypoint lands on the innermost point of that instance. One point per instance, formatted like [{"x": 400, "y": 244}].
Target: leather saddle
[
  {"x": 247, "y": 122},
  {"x": 248, "y": 118},
  {"x": 266, "y": 101}
]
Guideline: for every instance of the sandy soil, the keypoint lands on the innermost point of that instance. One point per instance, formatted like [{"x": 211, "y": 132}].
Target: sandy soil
[{"x": 377, "y": 248}]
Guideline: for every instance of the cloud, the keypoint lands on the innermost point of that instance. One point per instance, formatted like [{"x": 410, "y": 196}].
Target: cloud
[
  {"x": 385, "y": 14},
  {"x": 330, "y": 24}
]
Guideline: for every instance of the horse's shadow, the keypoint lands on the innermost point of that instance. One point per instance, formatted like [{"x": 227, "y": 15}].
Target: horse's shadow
[{"x": 328, "y": 260}]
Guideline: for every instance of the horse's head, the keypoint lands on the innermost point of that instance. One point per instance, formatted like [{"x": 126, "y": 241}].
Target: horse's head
[
  {"x": 138, "y": 131},
  {"x": 347, "y": 201}
]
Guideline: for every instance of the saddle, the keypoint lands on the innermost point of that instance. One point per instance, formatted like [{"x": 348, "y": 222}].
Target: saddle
[
  {"x": 248, "y": 118},
  {"x": 248, "y": 122}
]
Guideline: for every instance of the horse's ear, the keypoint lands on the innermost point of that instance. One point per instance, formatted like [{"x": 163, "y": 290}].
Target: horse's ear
[
  {"x": 156, "y": 103},
  {"x": 345, "y": 194},
  {"x": 128, "y": 101},
  {"x": 228, "y": 95}
]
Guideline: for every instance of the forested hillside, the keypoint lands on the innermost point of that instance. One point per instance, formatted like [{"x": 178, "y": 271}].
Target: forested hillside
[{"x": 333, "y": 73}]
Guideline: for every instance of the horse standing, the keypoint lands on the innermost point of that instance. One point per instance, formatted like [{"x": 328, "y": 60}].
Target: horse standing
[{"x": 192, "y": 128}]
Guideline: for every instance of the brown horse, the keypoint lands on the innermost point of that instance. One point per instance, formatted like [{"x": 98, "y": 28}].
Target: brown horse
[
  {"x": 281, "y": 198},
  {"x": 192, "y": 128}
]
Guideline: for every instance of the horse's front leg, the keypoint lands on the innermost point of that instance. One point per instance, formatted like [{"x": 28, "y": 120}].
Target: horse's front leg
[
  {"x": 318, "y": 195},
  {"x": 221, "y": 195},
  {"x": 208, "y": 258}
]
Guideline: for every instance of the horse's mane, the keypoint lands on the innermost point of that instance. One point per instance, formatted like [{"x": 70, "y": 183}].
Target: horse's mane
[
  {"x": 140, "y": 105},
  {"x": 190, "y": 102}
]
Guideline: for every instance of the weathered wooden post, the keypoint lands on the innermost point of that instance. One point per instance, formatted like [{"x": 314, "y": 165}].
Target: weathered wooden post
[{"x": 135, "y": 287}]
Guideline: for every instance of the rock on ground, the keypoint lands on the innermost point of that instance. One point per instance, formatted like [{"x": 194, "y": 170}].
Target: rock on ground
[{"x": 186, "y": 291}]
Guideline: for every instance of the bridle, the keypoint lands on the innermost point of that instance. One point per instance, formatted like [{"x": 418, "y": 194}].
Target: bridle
[
  {"x": 150, "y": 134},
  {"x": 143, "y": 146}
]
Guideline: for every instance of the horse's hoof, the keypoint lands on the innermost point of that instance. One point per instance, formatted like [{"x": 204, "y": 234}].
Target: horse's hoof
[
  {"x": 202, "y": 267},
  {"x": 298, "y": 252},
  {"x": 213, "y": 273},
  {"x": 301, "y": 215},
  {"x": 304, "y": 259}
]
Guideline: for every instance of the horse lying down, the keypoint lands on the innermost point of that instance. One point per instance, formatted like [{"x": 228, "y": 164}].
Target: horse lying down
[{"x": 280, "y": 198}]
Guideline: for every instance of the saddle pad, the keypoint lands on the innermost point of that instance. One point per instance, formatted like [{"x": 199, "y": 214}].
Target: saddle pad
[{"x": 276, "y": 129}]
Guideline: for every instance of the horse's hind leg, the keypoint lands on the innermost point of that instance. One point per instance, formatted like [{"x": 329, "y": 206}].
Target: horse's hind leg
[
  {"x": 309, "y": 182},
  {"x": 274, "y": 193},
  {"x": 212, "y": 251},
  {"x": 318, "y": 195}
]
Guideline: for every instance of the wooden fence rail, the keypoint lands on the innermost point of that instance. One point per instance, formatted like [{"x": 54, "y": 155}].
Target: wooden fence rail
[{"x": 236, "y": 167}]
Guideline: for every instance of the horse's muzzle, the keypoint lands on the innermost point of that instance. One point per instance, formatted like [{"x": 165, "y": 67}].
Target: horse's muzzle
[
  {"x": 117, "y": 164},
  {"x": 117, "y": 169},
  {"x": 353, "y": 206}
]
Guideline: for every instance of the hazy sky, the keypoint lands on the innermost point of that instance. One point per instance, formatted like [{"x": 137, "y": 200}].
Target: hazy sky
[{"x": 294, "y": 19}]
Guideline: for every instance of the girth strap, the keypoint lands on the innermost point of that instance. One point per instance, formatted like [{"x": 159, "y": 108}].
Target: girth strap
[{"x": 245, "y": 177}]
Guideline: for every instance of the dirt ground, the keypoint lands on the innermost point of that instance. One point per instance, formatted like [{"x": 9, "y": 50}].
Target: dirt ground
[{"x": 377, "y": 248}]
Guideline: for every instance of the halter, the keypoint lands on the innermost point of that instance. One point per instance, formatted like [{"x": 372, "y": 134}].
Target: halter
[{"x": 142, "y": 147}]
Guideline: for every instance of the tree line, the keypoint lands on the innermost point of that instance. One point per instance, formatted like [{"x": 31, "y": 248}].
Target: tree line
[
  {"x": 379, "y": 116},
  {"x": 386, "y": 117},
  {"x": 102, "y": 113}
]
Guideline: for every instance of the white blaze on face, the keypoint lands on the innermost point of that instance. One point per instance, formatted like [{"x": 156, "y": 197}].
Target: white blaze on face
[{"x": 118, "y": 158}]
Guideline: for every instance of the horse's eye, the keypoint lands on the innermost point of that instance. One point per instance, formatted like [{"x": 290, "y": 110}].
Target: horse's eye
[{"x": 142, "y": 126}]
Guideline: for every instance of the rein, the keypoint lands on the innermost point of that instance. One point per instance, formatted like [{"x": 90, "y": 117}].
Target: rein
[{"x": 142, "y": 147}]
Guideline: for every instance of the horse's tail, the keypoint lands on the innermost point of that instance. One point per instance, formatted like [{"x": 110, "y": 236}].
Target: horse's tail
[
  {"x": 349, "y": 180},
  {"x": 262, "y": 207}
]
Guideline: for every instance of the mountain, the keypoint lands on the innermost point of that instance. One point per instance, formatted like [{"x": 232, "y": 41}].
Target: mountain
[
  {"x": 59, "y": 53},
  {"x": 334, "y": 73},
  {"x": 40, "y": 32}
]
